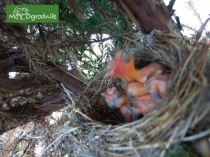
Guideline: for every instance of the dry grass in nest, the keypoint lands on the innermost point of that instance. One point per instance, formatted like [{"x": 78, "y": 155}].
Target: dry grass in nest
[{"x": 183, "y": 112}]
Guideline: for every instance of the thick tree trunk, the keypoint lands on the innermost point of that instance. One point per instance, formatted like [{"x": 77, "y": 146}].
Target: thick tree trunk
[{"x": 149, "y": 15}]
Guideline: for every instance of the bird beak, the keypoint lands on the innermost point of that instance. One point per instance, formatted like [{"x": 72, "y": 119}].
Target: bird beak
[{"x": 123, "y": 67}]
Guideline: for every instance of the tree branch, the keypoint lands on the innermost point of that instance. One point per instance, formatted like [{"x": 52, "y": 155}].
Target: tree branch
[
  {"x": 16, "y": 116},
  {"x": 149, "y": 14}
]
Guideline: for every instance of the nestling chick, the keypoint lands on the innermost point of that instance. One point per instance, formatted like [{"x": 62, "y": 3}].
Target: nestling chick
[
  {"x": 143, "y": 105},
  {"x": 134, "y": 89},
  {"x": 127, "y": 113},
  {"x": 118, "y": 99},
  {"x": 115, "y": 98},
  {"x": 156, "y": 85},
  {"x": 123, "y": 67},
  {"x": 152, "y": 69}
]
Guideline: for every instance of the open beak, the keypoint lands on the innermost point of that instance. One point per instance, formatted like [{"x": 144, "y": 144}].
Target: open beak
[{"x": 123, "y": 67}]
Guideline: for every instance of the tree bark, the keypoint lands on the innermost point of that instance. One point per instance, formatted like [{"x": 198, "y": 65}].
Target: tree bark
[
  {"x": 16, "y": 116},
  {"x": 148, "y": 14},
  {"x": 22, "y": 114}
]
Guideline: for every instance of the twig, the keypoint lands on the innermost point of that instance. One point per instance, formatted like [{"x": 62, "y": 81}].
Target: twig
[
  {"x": 58, "y": 138},
  {"x": 68, "y": 94},
  {"x": 197, "y": 136},
  {"x": 35, "y": 137}
]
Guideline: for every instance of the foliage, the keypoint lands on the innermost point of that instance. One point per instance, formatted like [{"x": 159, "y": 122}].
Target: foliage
[
  {"x": 182, "y": 150},
  {"x": 105, "y": 28}
]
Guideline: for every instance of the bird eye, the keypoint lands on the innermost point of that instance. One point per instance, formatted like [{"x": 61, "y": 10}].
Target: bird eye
[
  {"x": 116, "y": 95},
  {"x": 131, "y": 108},
  {"x": 111, "y": 104}
]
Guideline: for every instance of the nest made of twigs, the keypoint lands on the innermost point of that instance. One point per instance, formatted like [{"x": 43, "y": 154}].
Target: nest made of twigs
[{"x": 183, "y": 112}]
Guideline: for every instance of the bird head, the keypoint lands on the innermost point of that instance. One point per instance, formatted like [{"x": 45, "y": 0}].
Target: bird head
[
  {"x": 115, "y": 98},
  {"x": 157, "y": 85},
  {"x": 123, "y": 67},
  {"x": 144, "y": 103}
]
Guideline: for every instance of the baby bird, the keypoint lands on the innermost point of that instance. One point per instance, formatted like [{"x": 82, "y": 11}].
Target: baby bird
[
  {"x": 152, "y": 69},
  {"x": 123, "y": 67},
  {"x": 142, "y": 105},
  {"x": 115, "y": 98},
  {"x": 118, "y": 99},
  {"x": 127, "y": 113},
  {"x": 156, "y": 85},
  {"x": 134, "y": 89}
]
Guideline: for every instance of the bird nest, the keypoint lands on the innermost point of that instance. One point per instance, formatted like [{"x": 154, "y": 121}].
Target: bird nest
[{"x": 182, "y": 116}]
